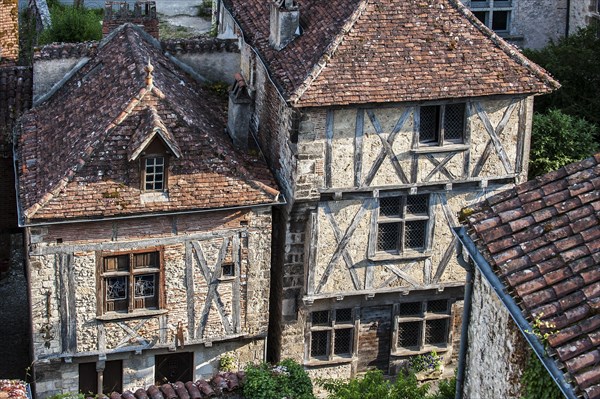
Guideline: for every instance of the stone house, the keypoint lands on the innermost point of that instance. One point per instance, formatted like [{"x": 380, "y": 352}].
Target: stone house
[
  {"x": 381, "y": 120},
  {"x": 147, "y": 233},
  {"x": 536, "y": 249},
  {"x": 532, "y": 24}
]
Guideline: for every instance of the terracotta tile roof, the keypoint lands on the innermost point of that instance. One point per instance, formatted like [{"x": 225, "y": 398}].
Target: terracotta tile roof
[
  {"x": 16, "y": 91},
  {"x": 542, "y": 239},
  {"x": 65, "y": 50},
  {"x": 220, "y": 386},
  {"x": 362, "y": 51},
  {"x": 73, "y": 148}
]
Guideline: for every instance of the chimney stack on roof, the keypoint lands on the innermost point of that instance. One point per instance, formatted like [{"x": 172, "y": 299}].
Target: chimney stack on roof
[{"x": 285, "y": 23}]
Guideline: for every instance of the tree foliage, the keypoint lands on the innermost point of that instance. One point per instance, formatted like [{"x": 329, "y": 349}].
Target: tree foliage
[
  {"x": 575, "y": 62},
  {"x": 374, "y": 386},
  {"x": 558, "y": 139},
  {"x": 72, "y": 25}
]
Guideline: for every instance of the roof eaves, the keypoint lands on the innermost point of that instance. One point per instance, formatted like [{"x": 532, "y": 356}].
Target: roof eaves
[
  {"x": 328, "y": 53},
  {"x": 510, "y": 50}
]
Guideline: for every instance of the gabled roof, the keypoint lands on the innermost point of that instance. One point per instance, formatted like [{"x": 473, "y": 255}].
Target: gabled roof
[
  {"x": 372, "y": 51},
  {"x": 542, "y": 239},
  {"x": 76, "y": 151},
  {"x": 151, "y": 127}
]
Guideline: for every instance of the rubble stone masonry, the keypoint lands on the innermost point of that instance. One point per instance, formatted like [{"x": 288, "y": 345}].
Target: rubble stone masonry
[{"x": 65, "y": 264}]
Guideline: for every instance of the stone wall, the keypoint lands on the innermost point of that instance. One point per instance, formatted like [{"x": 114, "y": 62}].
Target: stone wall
[
  {"x": 497, "y": 351},
  {"x": 9, "y": 31},
  {"x": 65, "y": 262},
  {"x": 214, "y": 59}
]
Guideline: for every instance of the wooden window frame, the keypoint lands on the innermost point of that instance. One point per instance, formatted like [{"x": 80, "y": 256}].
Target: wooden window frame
[
  {"x": 422, "y": 318},
  {"x": 330, "y": 328},
  {"x": 489, "y": 7},
  {"x": 402, "y": 219},
  {"x": 131, "y": 273},
  {"x": 144, "y": 166},
  {"x": 440, "y": 130}
]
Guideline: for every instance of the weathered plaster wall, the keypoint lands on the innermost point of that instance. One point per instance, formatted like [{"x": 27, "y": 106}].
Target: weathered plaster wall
[
  {"x": 497, "y": 350},
  {"x": 64, "y": 268},
  {"x": 9, "y": 31}
]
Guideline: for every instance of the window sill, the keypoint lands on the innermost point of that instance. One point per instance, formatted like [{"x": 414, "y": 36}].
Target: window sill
[
  {"x": 383, "y": 256},
  {"x": 337, "y": 360},
  {"x": 154, "y": 196},
  {"x": 436, "y": 148},
  {"x": 227, "y": 278},
  {"x": 416, "y": 352},
  {"x": 110, "y": 316}
]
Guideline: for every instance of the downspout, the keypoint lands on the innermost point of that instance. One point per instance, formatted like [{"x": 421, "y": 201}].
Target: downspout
[
  {"x": 464, "y": 333},
  {"x": 568, "y": 21},
  {"x": 515, "y": 312}
]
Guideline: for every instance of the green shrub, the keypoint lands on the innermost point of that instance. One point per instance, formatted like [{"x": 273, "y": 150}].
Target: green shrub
[
  {"x": 537, "y": 382},
  {"x": 446, "y": 389},
  {"x": 72, "y": 25},
  {"x": 374, "y": 386},
  {"x": 558, "y": 139},
  {"x": 286, "y": 380}
]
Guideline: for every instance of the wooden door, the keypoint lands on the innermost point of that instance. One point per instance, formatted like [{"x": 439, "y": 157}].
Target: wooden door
[{"x": 374, "y": 338}]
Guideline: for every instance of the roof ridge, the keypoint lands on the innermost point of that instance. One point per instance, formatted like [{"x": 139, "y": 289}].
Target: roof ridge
[
  {"x": 328, "y": 52},
  {"x": 510, "y": 50}
]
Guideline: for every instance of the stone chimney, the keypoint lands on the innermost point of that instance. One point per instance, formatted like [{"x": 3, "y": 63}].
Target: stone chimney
[
  {"x": 9, "y": 31},
  {"x": 239, "y": 112},
  {"x": 285, "y": 23},
  {"x": 117, "y": 13}
]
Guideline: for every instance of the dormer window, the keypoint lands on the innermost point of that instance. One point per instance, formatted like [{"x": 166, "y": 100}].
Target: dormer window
[{"x": 154, "y": 173}]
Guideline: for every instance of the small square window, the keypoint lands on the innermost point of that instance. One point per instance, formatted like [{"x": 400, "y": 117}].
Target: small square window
[
  {"x": 320, "y": 318},
  {"x": 343, "y": 341},
  {"x": 436, "y": 332},
  {"x": 154, "y": 176},
  {"x": 331, "y": 333},
  {"x": 409, "y": 334},
  {"x": 423, "y": 324},
  {"x": 227, "y": 270},
  {"x": 319, "y": 343},
  {"x": 402, "y": 223},
  {"x": 500, "y": 20},
  {"x": 343, "y": 315},
  {"x": 442, "y": 124}
]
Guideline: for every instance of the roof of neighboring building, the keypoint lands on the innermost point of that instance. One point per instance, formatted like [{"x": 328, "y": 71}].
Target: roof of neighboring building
[
  {"x": 16, "y": 86},
  {"x": 78, "y": 150},
  {"x": 542, "y": 239},
  {"x": 220, "y": 386},
  {"x": 372, "y": 51}
]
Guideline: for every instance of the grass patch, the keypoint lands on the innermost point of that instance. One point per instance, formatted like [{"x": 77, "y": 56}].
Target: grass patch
[{"x": 169, "y": 31}]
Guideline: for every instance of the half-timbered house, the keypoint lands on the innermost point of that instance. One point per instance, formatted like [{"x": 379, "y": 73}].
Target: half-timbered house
[
  {"x": 381, "y": 120},
  {"x": 148, "y": 235}
]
